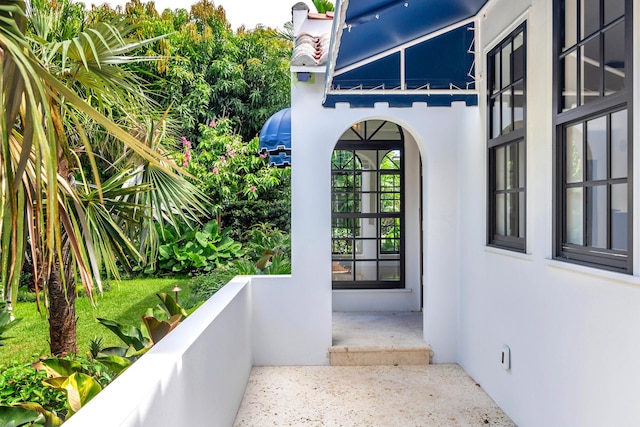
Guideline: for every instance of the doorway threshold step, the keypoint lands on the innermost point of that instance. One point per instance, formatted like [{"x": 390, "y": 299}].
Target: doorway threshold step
[{"x": 379, "y": 356}]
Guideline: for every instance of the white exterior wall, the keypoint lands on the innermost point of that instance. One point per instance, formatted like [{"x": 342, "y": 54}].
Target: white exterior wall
[
  {"x": 291, "y": 322},
  {"x": 195, "y": 376},
  {"x": 574, "y": 332},
  {"x": 437, "y": 134}
]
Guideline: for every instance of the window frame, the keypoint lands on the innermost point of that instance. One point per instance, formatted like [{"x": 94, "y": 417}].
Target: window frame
[
  {"x": 514, "y": 137},
  {"x": 366, "y": 136},
  {"x": 604, "y": 106}
]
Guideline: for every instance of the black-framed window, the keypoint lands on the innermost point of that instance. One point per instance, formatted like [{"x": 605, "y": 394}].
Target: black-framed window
[
  {"x": 506, "y": 142},
  {"x": 390, "y": 198},
  {"x": 592, "y": 116},
  {"x": 367, "y": 231}
]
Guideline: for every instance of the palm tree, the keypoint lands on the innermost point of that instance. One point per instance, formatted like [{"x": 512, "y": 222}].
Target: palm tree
[{"x": 52, "y": 92}]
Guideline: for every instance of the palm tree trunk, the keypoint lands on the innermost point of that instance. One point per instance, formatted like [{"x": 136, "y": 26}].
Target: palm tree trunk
[
  {"x": 62, "y": 299},
  {"x": 62, "y": 314}
]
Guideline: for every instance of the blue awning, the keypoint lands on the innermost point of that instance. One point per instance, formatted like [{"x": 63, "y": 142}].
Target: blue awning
[
  {"x": 403, "y": 51},
  {"x": 275, "y": 138},
  {"x": 275, "y": 135}
]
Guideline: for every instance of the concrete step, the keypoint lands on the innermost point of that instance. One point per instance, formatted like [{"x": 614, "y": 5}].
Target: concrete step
[{"x": 380, "y": 355}]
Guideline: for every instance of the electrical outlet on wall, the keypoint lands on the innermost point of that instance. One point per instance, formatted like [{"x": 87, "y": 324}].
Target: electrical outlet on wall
[{"x": 505, "y": 357}]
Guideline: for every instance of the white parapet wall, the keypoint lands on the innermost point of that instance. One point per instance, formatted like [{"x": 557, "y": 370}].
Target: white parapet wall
[{"x": 196, "y": 376}]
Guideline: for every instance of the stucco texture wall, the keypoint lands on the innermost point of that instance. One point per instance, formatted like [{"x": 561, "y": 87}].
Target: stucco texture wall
[{"x": 574, "y": 332}]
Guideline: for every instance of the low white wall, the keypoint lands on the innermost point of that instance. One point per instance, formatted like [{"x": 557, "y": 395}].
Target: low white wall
[
  {"x": 375, "y": 300},
  {"x": 291, "y": 322},
  {"x": 196, "y": 376}
]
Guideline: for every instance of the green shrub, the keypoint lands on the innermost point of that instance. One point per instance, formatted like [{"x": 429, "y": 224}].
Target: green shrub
[
  {"x": 25, "y": 295},
  {"x": 205, "y": 285},
  {"x": 199, "y": 249},
  {"x": 23, "y": 383},
  {"x": 44, "y": 384},
  {"x": 269, "y": 249},
  {"x": 272, "y": 207}
]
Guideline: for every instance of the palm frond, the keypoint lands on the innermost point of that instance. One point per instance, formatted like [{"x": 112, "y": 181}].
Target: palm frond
[
  {"x": 37, "y": 198},
  {"x": 93, "y": 59}
]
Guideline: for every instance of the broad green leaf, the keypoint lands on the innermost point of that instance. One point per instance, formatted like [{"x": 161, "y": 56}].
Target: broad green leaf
[
  {"x": 116, "y": 364},
  {"x": 211, "y": 228},
  {"x": 165, "y": 251},
  {"x": 171, "y": 305},
  {"x": 12, "y": 416},
  {"x": 113, "y": 351},
  {"x": 201, "y": 238},
  {"x": 51, "y": 419},
  {"x": 130, "y": 335},
  {"x": 56, "y": 382},
  {"x": 159, "y": 329},
  {"x": 56, "y": 367},
  {"x": 80, "y": 388}
]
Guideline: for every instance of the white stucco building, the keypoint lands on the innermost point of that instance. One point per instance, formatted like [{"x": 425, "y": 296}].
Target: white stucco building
[
  {"x": 516, "y": 209},
  {"x": 474, "y": 160}
]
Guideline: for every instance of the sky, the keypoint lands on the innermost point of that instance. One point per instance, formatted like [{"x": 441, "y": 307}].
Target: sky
[{"x": 271, "y": 13}]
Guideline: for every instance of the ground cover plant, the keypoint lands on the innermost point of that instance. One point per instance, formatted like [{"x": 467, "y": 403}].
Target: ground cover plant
[
  {"x": 52, "y": 389},
  {"x": 124, "y": 302}
]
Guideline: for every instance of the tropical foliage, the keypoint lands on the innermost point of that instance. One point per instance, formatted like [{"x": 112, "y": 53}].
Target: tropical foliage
[
  {"x": 6, "y": 322},
  {"x": 209, "y": 71},
  {"x": 196, "y": 250},
  {"x": 54, "y": 92},
  {"x": 229, "y": 170},
  {"x": 156, "y": 324},
  {"x": 114, "y": 124},
  {"x": 323, "y": 6},
  {"x": 53, "y": 389},
  {"x": 49, "y": 391}
]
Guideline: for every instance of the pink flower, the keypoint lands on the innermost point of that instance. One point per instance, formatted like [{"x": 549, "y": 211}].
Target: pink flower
[
  {"x": 186, "y": 144},
  {"x": 253, "y": 188},
  {"x": 223, "y": 159},
  {"x": 263, "y": 155},
  {"x": 230, "y": 152},
  {"x": 244, "y": 149},
  {"x": 215, "y": 171},
  {"x": 212, "y": 123}
]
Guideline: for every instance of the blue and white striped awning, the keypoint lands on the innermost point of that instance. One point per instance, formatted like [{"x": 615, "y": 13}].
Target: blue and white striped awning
[{"x": 403, "y": 51}]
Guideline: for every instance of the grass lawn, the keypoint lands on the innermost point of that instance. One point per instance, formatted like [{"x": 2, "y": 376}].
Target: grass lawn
[{"x": 124, "y": 302}]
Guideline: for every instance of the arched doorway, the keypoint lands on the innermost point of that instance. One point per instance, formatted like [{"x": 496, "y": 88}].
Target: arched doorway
[{"x": 367, "y": 208}]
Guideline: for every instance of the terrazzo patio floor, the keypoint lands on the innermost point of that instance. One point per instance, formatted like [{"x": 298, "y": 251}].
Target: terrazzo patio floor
[{"x": 372, "y": 396}]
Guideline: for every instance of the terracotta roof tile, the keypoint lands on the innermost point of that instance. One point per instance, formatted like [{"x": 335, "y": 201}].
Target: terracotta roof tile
[
  {"x": 310, "y": 51},
  {"x": 328, "y": 15}
]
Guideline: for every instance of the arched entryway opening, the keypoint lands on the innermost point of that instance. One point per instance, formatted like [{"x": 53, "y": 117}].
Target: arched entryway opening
[
  {"x": 367, "y": 207},
  {"x": 376, "y": 248}
]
